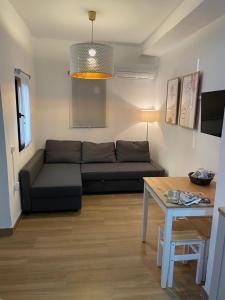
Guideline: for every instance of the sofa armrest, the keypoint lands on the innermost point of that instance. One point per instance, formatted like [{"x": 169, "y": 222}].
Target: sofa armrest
[
  {"x": 27, "y": 176},
  {"x": 158, "y": 167}
]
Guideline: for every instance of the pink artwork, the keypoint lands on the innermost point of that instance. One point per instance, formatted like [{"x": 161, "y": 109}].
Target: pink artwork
[
  {"x": 188, "y": 102},
  {"x": 172, "y": 100}
]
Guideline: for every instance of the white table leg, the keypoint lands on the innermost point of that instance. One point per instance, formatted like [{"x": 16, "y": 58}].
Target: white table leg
[
  {"x": 145, "y": 214},
  {"x": 166, "y": 247}
]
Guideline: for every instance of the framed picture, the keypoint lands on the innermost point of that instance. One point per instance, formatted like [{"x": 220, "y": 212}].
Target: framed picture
[
  {"x": 188, "y": 100},
  {"x": 172, "y": 100}
]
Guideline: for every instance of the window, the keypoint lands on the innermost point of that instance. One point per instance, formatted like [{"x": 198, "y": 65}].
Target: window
[
  {"x": 88, "y": 109},
  {"x": 23, "y": 111}
]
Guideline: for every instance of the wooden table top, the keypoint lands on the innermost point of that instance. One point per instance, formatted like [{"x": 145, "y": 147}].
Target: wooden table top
[{"x": 161, "y": 185}]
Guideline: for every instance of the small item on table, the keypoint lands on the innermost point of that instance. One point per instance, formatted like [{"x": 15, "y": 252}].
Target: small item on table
[
  {"x": 201, "y": 176},
  {"x": 186, "y": 198}
]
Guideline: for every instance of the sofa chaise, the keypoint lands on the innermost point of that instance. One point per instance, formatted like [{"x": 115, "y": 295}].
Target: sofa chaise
[{"x": 56, "y": 177}]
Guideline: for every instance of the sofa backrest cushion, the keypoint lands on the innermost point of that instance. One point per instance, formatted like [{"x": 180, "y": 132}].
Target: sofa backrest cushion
[
  {"x": 63, "y": 151},
  {"x": 102, "y": 152},
  {"x": 132, "y": 151}
]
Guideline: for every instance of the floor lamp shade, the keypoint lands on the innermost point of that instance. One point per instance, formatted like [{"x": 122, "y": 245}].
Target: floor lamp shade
[
  {"x": 91, "y": 61},
  {"x": 150, "y": 116}
]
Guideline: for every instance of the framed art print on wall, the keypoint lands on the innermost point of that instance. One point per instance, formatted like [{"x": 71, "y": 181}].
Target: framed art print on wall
[
  {"x": 188, "y": 100},
  {"x": 172, "y": 100}
]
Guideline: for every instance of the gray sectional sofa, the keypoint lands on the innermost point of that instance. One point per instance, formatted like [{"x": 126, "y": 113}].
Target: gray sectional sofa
[{"x": 56, "y": 177}]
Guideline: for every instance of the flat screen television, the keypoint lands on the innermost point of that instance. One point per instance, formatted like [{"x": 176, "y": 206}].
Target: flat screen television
[{"x": 212, "y": 111}]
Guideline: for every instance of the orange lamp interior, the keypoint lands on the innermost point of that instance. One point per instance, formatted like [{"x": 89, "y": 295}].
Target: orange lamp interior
[{"x": 91, "y": 75}]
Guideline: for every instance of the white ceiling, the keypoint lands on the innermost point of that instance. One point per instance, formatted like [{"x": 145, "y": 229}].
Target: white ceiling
[
  {"x": 187, "y": 19},
  {"x": 127, "y": 21}
]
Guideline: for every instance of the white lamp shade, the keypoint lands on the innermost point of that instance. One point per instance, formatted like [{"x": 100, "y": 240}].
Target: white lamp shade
[
  {"x": 150, "y": 116},
  {"x": 91, "y": 61}
]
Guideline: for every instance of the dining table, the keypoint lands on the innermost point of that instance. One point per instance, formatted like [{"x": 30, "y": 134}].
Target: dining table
[{"x": 155, "y": 189}]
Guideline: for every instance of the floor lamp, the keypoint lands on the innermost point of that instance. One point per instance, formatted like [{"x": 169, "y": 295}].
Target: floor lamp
[{"x": 149, "y": 116}]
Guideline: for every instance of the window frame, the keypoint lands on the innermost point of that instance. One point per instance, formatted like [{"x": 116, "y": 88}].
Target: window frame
[{"x": 21, "y": 114}]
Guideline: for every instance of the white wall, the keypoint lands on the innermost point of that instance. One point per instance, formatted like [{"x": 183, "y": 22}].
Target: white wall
[
  {"x": 125, "y": 97},
  {"x": 182, "y": 150},
  {"x": 5, "y": 219},
  {"x": 15, "y": 52},
  {"x": 219, "y": 202}
]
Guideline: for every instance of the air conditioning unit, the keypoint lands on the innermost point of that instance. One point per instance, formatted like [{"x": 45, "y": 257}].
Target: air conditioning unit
[
  {"x": 134, "y": 75},
  {"x": 136, "y": 71}
]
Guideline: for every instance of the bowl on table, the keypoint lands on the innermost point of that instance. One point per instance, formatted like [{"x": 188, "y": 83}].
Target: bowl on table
[{"x": 200, "y": 181}]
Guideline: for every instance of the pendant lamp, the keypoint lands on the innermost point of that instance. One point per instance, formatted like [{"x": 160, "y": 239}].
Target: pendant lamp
[{"x": 91, "y": 60}]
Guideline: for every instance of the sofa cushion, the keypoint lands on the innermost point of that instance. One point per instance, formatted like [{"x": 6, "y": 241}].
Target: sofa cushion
[
  {"x": 63, "y": 151},
  {"x": 120, "y": 171},
  {"x": 131, "y": 151},
  {"x": 57, "y": 180},
  {"x": 102, "y": 152}
]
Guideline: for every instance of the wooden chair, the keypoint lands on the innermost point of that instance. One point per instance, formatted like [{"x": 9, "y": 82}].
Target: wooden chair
[
  {"x": 203, "y": 225},
  {"x": 183, "y": 235}
]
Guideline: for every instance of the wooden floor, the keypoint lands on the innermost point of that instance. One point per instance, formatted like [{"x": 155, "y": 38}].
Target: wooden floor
[{"x": 94, "y": 255}]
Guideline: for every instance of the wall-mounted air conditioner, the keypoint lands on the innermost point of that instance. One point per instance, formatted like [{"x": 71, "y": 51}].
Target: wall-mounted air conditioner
[
  {"x": 145, "y": 67},
  {"x": 136, "y": 71}
]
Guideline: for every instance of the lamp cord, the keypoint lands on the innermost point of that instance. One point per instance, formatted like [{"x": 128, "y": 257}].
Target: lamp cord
[
  {"x": 147, "y": 133},
  {"x": 92, "y": 30}
]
